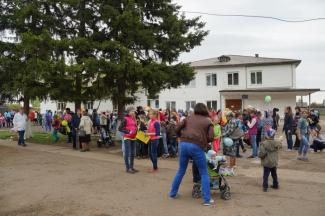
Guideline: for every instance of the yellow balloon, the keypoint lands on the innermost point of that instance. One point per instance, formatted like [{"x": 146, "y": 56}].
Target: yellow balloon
[{"x": 64, "y": 123}]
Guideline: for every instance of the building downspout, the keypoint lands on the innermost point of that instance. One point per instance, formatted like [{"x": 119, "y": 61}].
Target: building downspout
[
  {"x": 292, "y": 76},
  {"x": 246, "y": 80},
  {"x": 220, "y": 100}
]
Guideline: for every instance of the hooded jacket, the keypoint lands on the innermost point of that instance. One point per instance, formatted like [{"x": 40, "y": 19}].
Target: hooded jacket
[{"x": 268, "y": 153}]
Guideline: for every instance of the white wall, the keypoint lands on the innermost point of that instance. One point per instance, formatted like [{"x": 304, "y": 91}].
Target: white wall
[
  {"x": 279, "y": 101},
  {"x": 276, "y": 76}
]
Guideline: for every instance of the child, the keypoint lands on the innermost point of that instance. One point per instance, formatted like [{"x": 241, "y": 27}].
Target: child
[
  {"x": 319, "y": 141},
  {"x": 172, "y": 136},
  {"x": 213, "y": 160},
  {"x": 56, "y": 126},
  {"x": 2, "y": 121},
  {"x": 269, "y": 159},
  {"x": 217, "y": 134},
  {"x": 154, "y": 133}
]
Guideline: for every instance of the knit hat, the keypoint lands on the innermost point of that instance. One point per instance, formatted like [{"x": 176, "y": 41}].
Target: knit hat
[
  {"x": 270, "y": 133},
  {"x": 211, "y": 153}
]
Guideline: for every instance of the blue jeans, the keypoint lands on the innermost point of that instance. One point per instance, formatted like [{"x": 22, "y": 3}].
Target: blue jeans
[
  {"x": 289, "y": 139},
  {"x": 48, "y": 127},
  {"x": 173, "y": 146},
  {"x": 254, "y": 145},
  {"x": 189, "y": 151},
  {"x": 164, "y": 139},
  {"x": 21, "y": 140},
  {"x": 304, "y": 145},
  {"x": 129, "y": 147},
  {"x": 153, "y": 153}
]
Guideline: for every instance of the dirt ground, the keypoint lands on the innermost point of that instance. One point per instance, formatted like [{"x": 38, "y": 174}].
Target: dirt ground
[{"x": 55, "y": 180}]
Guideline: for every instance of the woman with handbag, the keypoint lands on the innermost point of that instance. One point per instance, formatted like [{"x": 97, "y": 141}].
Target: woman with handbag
[{"x": 85, "y": 131}]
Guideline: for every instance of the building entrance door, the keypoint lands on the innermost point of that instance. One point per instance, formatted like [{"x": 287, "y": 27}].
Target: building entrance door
[{"x": 234, "y": 104}]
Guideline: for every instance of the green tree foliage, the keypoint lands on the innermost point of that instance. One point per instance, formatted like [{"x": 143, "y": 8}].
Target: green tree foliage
[
  {"x": 139, "y": 45},
  {"x": 81, "y": 50},
  {"x": 27, "y": 56}
]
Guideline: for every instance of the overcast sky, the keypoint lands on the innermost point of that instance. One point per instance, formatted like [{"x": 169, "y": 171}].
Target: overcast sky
[{"x": 269, "y": 38}]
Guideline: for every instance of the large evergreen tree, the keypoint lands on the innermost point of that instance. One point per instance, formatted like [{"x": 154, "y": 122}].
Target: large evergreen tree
[
  {"x": 139, "y": 44},
  {"x": 25, "y": 58},
  {"x": 81, "y": 50}
]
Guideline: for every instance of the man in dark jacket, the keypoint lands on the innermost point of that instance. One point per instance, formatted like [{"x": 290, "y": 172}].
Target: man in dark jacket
[{"x": 74, "y": 128}]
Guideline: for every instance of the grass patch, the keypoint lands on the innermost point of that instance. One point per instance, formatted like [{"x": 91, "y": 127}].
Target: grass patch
[
  {"x": 38, "y": 137},
  {"x": 5, "y": 135}
]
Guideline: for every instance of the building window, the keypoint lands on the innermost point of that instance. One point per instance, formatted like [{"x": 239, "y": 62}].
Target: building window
[
  {"x": 233, "y": 78},
  {"x": 157, "y": 104},
  {"x": 61, "y": 106},
  {"x": 154, "y": 103},
  {"x": 191, "y": 84},
  {"x": 256, "y": 78},
  {"x": 89, "y": 105},
  {"x": 171, "y": 105},
  {"x": 212, "y": 105},
  {"x": 211, "y": 79},
  {"x": 190, "y": 105}
]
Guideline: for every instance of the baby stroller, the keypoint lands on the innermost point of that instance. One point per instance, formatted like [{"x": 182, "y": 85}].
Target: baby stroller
[
  {"x": 105, "y": 138},
  {"x": 217, "y": 182}
]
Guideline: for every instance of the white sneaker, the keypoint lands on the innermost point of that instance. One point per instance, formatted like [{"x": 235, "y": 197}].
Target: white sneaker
[{"x": 209, "y": 203}]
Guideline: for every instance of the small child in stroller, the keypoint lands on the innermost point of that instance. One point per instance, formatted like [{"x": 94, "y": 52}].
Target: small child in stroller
[
  {"x": 217, "y": 176},
  {"x": 105, "y": 138}
]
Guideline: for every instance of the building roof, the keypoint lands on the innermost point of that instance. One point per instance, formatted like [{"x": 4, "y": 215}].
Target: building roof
[
  {"x": 239, "y": 60},
  {"x": 273, "y": 90}
]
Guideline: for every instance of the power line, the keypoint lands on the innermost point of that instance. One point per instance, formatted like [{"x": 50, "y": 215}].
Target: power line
[{"x": 254, "y": 16}]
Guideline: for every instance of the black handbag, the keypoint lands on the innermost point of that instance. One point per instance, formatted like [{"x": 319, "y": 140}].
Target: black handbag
[{"x": 81, "y": 133}]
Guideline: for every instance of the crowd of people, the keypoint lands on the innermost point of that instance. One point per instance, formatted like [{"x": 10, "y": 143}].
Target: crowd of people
[{"x": 194, "y": 135}]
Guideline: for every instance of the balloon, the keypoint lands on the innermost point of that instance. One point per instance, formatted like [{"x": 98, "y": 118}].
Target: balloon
[
  {"x": 267, "y": 99},
  {"x": 228, "y": 142},
  {"x": 64, "y": 123}
]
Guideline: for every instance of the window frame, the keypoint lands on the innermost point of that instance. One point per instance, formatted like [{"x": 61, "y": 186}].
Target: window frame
[
  {"x": 192, "y": 104},
  {"x": 232, "y": 75},
  {"x": 88, "y": 107},
  {"x": 170, "y": 107},
  {"x": 211, "y": 104},
  {"x": 61, "y": 105},
  {"x": 210, "y": 81},
  {"x": 255, "y": 73}
]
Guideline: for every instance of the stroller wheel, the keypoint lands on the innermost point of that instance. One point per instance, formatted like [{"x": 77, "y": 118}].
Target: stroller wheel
[
  {"x": 196, "y": 192},
  {"x": 226, "y": 195},
  {"x": 225, "y": 192}
]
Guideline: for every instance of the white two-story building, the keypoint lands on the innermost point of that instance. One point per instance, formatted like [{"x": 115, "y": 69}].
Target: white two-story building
[{"x": 228, "y": 81}]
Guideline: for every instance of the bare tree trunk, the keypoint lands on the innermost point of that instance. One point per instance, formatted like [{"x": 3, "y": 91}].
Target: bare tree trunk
[{"x": 26, "y": 104}]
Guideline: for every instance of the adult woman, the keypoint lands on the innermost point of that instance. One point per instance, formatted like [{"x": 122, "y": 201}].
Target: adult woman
[
  {"x": 154, "y": 134},
  {"x": 129, "y": 129},
  {"x": 20, "y": 122},
  {"x": 195, "y": 133},
  {"x": 85, "y": 125},
  {"x": 252, "y": 131},
  {"x": 288, "y": 127}
]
